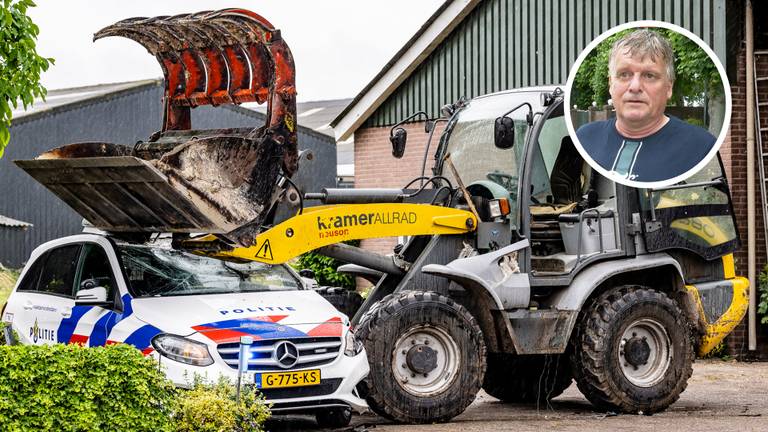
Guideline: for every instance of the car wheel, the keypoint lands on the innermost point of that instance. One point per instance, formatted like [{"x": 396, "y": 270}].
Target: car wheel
[
  {"x": 632, "y": 351},
  {"x": 427, "y": 357},
  {"x": 334, "y": 418},
  {"x": 527, "y": 378}
]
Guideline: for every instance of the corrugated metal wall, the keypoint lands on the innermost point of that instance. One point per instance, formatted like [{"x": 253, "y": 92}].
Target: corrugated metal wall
[
  {"x": 507, "y": 44},
  {"x": 13, "y": 244},
  {"x": 130, "y": 116},
  {"x": 124, "y": 119}
]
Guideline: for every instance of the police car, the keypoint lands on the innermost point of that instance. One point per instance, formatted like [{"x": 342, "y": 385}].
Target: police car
[{"x": 189, "y": 313}]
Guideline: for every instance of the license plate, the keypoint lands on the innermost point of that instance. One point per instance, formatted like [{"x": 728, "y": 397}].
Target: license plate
[{"x": 287, "y": 379}]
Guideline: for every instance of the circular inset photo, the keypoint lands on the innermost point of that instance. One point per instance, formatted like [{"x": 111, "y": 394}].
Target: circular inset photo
[{"x": 649, "y": 102}]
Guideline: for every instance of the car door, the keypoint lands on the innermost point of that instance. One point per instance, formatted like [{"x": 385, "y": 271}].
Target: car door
[
  {"x": 18, "y": 311},
  {"x": 45, "y": 301},
  {"x": 95, "y": 271}
]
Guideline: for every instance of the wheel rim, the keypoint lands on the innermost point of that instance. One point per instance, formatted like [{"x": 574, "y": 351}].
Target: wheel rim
[
  {"x": 420, "y": 377},
  {"x": 645, "y": 352}
]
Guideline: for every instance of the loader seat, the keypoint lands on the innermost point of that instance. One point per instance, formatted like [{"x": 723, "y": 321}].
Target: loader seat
[{"x": 566, "y": 179}]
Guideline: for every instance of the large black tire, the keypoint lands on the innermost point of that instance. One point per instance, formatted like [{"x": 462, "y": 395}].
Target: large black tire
[
  {"x": 633, "y": 351},
  {"x": 345, "y": 300},
  {"x": 334, "y": 418},
  {"x": 408, "y": 333},
  {"x": 527, "y": 378}
]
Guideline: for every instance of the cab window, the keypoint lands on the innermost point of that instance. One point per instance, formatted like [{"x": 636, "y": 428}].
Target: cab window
[
  {"x": 698, "y": 217},
  {"x": 96, "y": 271},
  {"x": 58, "y": 273}
]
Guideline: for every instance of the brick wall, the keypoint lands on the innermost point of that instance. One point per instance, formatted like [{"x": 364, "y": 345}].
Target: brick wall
[
  {"x": 375, "y": 167},
  {"x": 734, "y": 154}
]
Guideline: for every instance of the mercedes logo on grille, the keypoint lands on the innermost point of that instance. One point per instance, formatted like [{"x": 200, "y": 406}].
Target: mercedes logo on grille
[{"x": 286, "y": 354}]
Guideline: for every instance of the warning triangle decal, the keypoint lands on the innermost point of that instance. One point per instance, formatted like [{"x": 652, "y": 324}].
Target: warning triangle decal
[{"x": 265, "y": 251}]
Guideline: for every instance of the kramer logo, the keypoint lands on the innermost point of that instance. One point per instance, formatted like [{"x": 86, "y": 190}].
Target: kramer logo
[{"x": 381, "y": 218}]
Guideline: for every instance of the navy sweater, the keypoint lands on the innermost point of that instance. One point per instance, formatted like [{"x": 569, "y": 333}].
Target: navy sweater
[{"x": 669, "y": 152}]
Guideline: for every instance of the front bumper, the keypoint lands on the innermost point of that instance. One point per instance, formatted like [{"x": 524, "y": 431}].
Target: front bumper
[{"x": 337, "y": 388}]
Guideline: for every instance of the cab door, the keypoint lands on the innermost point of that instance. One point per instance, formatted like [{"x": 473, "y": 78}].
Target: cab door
[{"x": 696, "y": 215}]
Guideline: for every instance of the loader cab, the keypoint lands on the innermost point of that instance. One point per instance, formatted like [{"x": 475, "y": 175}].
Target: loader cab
[
  {"x": 572, "y": 215},
  {"x": 542, "y": 175}
]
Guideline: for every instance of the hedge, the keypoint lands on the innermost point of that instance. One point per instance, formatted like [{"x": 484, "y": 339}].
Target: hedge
[
  {"x": 214, "y": 408},
  {"x": 113, "y": 388},
  {"x": 73, "y": 388}
]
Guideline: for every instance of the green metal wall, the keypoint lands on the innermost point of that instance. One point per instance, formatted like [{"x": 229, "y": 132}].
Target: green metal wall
[{"x": 507, "y": 44}]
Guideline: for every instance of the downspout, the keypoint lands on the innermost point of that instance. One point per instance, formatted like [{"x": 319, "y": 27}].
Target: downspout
[{"x": 751, "y": 262}]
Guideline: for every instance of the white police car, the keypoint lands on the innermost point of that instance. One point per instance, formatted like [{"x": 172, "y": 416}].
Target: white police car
[{"x": 189, "y": 312}]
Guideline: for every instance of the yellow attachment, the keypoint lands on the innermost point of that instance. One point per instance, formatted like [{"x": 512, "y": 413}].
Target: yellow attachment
[
  {"x": 326, "y": 225},
  {"x": 717, "y": 331},
  {"x": 729, "y": 269}
]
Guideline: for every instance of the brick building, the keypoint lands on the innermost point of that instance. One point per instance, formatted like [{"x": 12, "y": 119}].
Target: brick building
[{"x": 473, "y": 47}]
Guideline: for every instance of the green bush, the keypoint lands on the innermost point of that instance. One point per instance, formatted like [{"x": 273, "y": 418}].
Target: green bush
[
  {"x": 214, "y": 408},
  {"x": 73, "y": 388},
  {"x": 325, "y": 268},
  {"x": 7, "y": 281},
  {"x": 762, "y": 305}
]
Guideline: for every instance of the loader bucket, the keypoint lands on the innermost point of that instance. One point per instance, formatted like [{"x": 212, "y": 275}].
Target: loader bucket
[{"x": 223, "y": 181}]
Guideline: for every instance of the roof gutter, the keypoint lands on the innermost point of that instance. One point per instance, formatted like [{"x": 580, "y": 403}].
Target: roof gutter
[{"x": 402, "y": 65}]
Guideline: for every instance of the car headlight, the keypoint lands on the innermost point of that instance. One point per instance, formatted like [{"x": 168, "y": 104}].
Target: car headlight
[
  {"x": 182, "y": 350},
  {"x": 353, "y": 345}
]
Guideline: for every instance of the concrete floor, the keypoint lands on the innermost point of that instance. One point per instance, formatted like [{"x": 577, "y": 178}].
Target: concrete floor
[{"x": 721, "y": 396}]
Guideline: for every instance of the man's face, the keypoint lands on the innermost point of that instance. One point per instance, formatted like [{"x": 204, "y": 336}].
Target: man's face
[{"x": 639, "y": 89}]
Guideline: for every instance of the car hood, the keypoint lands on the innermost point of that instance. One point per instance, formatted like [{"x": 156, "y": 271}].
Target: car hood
[{"x": 227, "y": 317}]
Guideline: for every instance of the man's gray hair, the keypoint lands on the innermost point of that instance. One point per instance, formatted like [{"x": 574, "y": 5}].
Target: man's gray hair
[{"x": 644, "y": 43}]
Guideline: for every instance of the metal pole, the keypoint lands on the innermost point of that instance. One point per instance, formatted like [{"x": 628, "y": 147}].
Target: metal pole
[
  {"x": 750, "y": 102},
  {"x": 242, "y": 361}
]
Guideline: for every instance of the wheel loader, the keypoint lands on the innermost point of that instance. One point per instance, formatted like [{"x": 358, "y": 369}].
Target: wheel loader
[{"x": 522, "y": 269}]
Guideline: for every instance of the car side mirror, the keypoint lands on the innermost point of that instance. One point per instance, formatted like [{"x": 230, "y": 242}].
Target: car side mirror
[
  {"x": 91, "y": 296},
  {"x": 504, "y": 133},
  {"x": 398, "y": 139},
  {"x": 307, "y": 273}
]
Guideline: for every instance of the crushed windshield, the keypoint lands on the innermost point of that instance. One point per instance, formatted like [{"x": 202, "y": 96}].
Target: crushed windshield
[{"x": 154, "y": 271}]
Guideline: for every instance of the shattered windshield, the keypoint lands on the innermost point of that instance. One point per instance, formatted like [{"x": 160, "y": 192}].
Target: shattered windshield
[{"x": 154, "y": 271}]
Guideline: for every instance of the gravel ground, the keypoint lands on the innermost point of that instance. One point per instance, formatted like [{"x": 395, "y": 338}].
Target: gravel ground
[{"x": 722, "y": 396}]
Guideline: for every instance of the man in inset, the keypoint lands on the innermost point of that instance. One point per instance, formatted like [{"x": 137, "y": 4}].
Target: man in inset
[{"x": 642, "y": 143}]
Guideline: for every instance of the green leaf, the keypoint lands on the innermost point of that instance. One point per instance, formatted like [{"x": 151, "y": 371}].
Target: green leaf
[{"x": 20, "y": 64}]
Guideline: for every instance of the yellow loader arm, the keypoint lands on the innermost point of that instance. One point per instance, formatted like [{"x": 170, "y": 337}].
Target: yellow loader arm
[{"x": 326, "y": 225}]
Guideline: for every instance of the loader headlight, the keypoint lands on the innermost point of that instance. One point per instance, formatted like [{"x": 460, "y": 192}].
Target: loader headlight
[
  {"x": 498, "y": 207},
  {"x": 182, "y": 350},
  {"x": 353, "y": 345}
]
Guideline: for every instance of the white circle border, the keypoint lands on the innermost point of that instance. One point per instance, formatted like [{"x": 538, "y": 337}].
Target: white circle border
[{"x": 726, "y": 89}]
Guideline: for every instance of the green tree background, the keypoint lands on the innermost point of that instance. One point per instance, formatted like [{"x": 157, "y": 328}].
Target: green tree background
[
  {"x": 20, "y": 65},
  {"x": 697, "y": 78}
]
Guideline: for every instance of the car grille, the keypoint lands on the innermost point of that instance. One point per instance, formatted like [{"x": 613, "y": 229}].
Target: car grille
[
  {"x": 312, "y": 352},
  {"x": 326, "y": 387}
]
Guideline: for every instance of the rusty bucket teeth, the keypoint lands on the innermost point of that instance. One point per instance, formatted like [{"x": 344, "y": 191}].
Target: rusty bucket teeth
[{"x": 184, "y": 180}]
